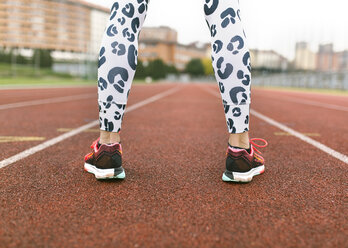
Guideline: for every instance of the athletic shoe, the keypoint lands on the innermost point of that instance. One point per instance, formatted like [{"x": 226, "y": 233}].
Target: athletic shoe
[
  {"x": 242, "y": 166},
  {"x": 105, "y": 162}
]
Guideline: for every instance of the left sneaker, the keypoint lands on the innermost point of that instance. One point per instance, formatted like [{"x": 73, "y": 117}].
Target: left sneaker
[
  {"x": 242, "y": 166},
  {"x": 105, "y": 162}
]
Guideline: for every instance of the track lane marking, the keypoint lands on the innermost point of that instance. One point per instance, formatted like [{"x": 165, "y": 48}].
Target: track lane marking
[
  {"x": 81, "y": 129},
  {"x": 65, "y": 130},
  {"x": 46, "y": 101},
  {"x": 293, "y": 132},
  {"x": 7, "y": 139},
  {"x": 312, "y": 103},
  {"x": 288, "y": 134}
]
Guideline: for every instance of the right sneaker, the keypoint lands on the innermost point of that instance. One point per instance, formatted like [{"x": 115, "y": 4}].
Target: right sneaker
[
  {"x": 242, "y": 166},
  {"x": 105, "y": 162}
]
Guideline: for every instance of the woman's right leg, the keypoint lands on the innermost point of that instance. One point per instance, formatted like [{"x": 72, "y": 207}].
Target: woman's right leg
[{"x": 117, "y": 64}]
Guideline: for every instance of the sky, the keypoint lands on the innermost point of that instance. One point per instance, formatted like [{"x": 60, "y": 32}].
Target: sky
[{"x": 269, "y": 24}]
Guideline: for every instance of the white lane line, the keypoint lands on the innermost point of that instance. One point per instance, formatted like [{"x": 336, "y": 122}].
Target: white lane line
[
  {"x": 302, "y": 137},
  {"x": 81, "y": 129},
  {"x": 291, "y": 131},
  {"x": 46, "y": 101},
  {"x": 312, "y": 103}
]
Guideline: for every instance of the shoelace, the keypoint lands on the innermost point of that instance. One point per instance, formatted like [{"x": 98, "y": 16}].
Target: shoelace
[{"x": 252, "y": 141}]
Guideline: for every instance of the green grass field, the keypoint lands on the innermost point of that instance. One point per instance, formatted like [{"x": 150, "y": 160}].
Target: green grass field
[
  {"x": 28, "y": 76},
  {"x": 54, "y": 81}
]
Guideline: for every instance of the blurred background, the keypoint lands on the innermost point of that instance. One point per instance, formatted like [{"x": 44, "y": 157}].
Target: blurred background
[{"x": 301, "y": 44}]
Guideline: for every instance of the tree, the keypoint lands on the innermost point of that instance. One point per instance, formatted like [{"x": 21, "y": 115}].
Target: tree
[
  {"x": 195, "y": 67},
  {"x": 208, "y": 67},
  {"x": 5, "y": 57},
  {"x": 10, "y": 56},
  {"x": 141, "y": 70},
  {"x": 171, "y": 69},
  {"x": 22, "y": 60},
  {"x": 156, "y": 69},
  {"x": 42, "y": 58}
]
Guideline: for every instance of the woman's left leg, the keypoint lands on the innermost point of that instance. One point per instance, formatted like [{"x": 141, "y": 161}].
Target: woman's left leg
[{"x": 231, "y": 61}]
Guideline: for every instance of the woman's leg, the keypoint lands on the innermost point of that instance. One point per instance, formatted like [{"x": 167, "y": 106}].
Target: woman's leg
[
  {"x": 231, "y": 63},
  {"x": 117, "y": 64}
]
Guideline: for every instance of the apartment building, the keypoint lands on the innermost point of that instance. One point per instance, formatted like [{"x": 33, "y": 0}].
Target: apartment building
[
  {"x": 68, "y": 27},
  {"x": 73, "y": 29},
  {"x": 305, "y": 58},
  {"x": 161, "y": 42}
]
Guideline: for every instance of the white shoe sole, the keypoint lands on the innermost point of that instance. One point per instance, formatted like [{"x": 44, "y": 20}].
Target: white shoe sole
[
  {"x": 242, "y": 177},
  {"x": 105, "y": 173}
]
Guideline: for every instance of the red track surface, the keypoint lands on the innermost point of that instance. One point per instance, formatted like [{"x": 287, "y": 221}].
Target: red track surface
[{"x": 173, "y": 196}]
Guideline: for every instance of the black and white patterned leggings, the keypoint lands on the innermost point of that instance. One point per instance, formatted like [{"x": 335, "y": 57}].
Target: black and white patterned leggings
[{"x": 119, "y": 51}]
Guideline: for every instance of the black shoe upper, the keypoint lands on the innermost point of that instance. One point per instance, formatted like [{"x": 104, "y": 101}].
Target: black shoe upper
[
  {"x": 241, "y": 161},
  {"x": 106, "y": 156}
]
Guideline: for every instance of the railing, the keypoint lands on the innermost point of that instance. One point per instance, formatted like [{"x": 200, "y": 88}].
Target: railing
[{"x": 323, "y": 80}]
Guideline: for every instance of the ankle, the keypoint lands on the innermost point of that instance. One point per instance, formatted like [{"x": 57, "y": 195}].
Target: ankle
[
  {"x": 239, "y": 140},
  {"x": 114, "y": 138},
  {"x": 109, "y": 137},
  {"x": 104, "y": 137}
]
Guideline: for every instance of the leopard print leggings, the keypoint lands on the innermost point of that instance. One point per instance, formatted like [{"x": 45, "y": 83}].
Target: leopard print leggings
[{"x": 119, "y": 51}]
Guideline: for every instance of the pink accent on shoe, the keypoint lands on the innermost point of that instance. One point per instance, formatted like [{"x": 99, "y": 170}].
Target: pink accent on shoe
[
  {"x": 95, "y": 142},
  {"x": 95, "y": 147},
  {"x": 254, "y": 153},
  {"x": 236, "y": 153}
]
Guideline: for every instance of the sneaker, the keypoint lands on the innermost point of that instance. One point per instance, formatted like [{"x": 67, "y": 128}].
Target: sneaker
[
  {"x": 242, "y": 166},
  {"x": 105, "y": 162}
]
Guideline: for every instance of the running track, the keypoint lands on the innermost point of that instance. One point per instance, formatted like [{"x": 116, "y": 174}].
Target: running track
[{"x": 174, "y": 150}]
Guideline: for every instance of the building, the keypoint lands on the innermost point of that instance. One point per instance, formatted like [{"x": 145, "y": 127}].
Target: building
[
  {"x": 161, "y": 42},
  {"x": 67, "y": 27},
  {"x": 184, "y": 53},
  {"x": 157, "y": 42},
  {"x": 326, "y": 60},
  {"x": 73, "y": 29},
  {"x": 305, "y": 58},
  {"x": 268, "y": 59},
  {"x": 342, "y": 60},
  {"x": 330, "y": 61}
]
